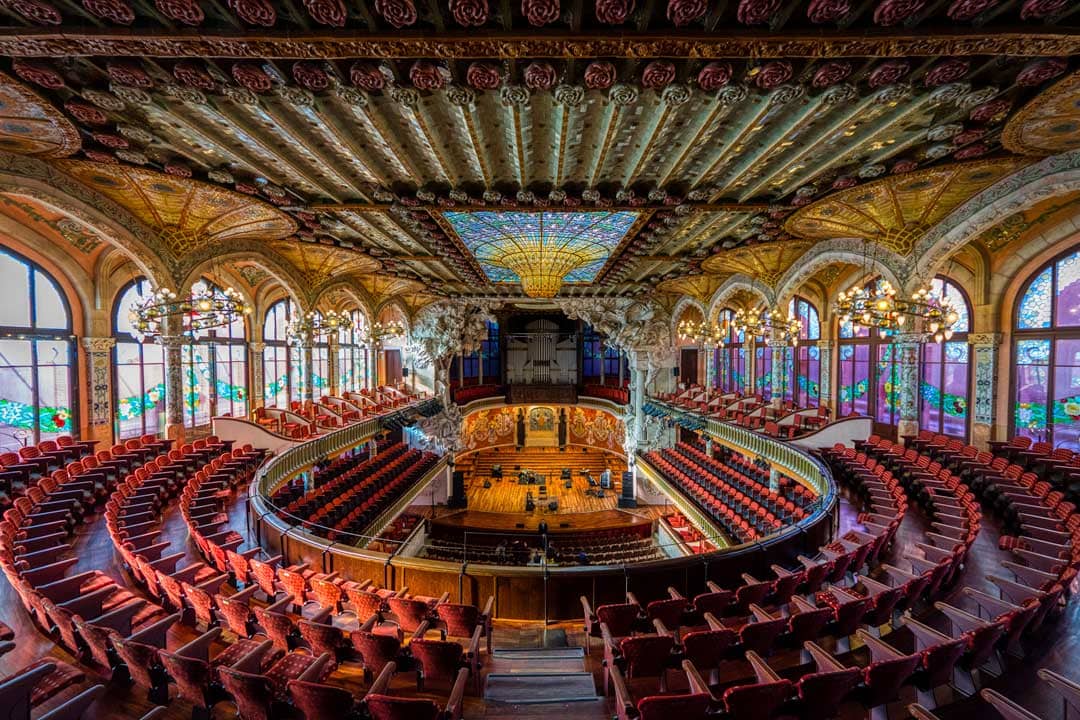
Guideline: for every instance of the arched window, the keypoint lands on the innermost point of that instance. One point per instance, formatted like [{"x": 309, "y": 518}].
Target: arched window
[
  {"x": 945, "y": 371},
  {"x": 869, "y": 374},
  {"x": 214, "y": 369},
  {"x": 36, "y": 366},
  {"x": 282, "y": 365},
  {"x": 803, "y": 362},
  {"x": 139, "y": 370},
  {"x": 1046, "y": 355},
  {"x": 730, "y": 360},
  {"x": 320, "y": 365},
  {"x": 352, "y": 358}
]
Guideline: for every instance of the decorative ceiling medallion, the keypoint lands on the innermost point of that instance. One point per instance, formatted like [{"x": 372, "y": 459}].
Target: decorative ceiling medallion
[
  {"x": 699, "y": 287},
  {"x": 765, "y": 263},
  {"x": 541, "y": 250},
  {"x": 1049, "y": 124},
  {"x": 29, "y": 125},
  {"x": 896, "y": 210},
  {"x": 188, "y": 214}
]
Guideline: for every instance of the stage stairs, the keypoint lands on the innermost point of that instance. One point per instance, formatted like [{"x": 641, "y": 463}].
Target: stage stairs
[{"x": 542, "y": 678}]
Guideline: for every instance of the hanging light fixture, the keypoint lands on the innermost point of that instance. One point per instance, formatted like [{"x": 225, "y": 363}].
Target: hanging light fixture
[
  {"x": 772, "y": 325},
  {"x": 701, "y": 333},
  {"x": 880, "y": 306},
  {"x": 379, "y": 331},
  {"x": 201, "y": 310},
  {"x": 314, "y": 326}
]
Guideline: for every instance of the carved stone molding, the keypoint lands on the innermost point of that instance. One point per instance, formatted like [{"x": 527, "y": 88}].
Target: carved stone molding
[
  {"x": 990, "y": 339},
  {"x": 98, "y": 344},
  {"x": 737, "y": 42}
]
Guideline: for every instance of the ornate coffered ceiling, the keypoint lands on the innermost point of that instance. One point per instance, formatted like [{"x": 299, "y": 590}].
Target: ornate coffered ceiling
[
  {"x": 365, "y": 124},
  {"x": 1048, "y": 124}
]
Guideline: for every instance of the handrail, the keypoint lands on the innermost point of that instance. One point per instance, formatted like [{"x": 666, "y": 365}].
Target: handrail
[{"x": 792, "y": 460}]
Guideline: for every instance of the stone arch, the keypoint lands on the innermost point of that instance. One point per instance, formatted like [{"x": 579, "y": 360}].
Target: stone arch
[
  {"x": 258, "y": 254},
  {"x": 737, "y": 282},
  {"x": 394, "y": 302},
  {"x": 354, "y": 291},
  {"x": 116, "y": 226},
  {"x": 685, "y": 302},
  {"x": 1052, "y": 176},
  {"x": 846, "y": 250}
]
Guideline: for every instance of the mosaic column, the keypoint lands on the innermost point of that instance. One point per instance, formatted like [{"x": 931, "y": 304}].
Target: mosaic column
[
  {"x": 779, "y": 379},
  {"x": 748, "y": 366},
  {"x": 332, "y": 368},
  {"x": 174, "y": 384},
  {"x": 984, "y": 347},
  {"x": 710, "y": 370},
  {"x": 98, "y": 365},
  {"x": 825, "y": 386},
  {"x": 907, "y": 376},
  {"x": 307, "y": 351},
  {"x": 258, "y": 380}
]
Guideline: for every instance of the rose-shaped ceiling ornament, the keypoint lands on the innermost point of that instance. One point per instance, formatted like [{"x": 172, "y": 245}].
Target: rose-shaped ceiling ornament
[
  {"x": 658, "y": 74},
  {"x": 684, "y": 12},
  {"x": 540, "y": 12},
  {"x": 894, "y": 12},
  {"x": 968, "y": 10},
  {"x": 946, "y": 71},
  {"x": 483, "y": 75},
  {"x": 1039, "y": 71},
  {"x": 329, "y": 12},
  {"x": 831, "y": 73},
  {"x": 251, "y": 77},
  {"x": 38, "y": 72},
  {"x": 426, "y": 75},
  {"x": 887, "y": 73},
  {"x": 469, "y": 13},
  {"x": 614, "y": 12},
  {"x": 254, "y": 12},
  {"x": 540, "y": 75},
  {"x": 756, "y": 12},
  {"x": 367, "y": 76},
  {"x": 599, "y": 75},
  {"x": 714, "y": 76},
  {"x": 115, "y": 11},
  {"x": 772, "y": 74},
  {"x": 310, "y": 75},
  {"x": 188, "y": 12}
]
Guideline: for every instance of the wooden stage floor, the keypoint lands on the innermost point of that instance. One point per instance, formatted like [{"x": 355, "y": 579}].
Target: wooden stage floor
[{"x": 506, "y": 495}]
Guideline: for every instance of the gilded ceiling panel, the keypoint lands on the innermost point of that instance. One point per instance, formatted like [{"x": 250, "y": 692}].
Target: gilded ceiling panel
[
  {"x": 188, "y": 214},
  {"x": 895, "y": 211},
  {"x": 699, "y": 287},
  {"x": 319, "y": 263},
  {"x": 30, "y": 125},
  {"x": 1049, "y": 124},
  {"x": 50, "y": 223},
  {"x": 764, "y": 263}
]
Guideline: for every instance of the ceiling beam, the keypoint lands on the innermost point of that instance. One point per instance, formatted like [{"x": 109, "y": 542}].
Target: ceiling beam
[
  {"x": 748, "y": 207},
  {"x": 732, "y": 42}
]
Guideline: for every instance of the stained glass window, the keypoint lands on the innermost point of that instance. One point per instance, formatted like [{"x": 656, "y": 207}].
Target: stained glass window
[
  {"x": 730, "y": 374},
  {"x": 944, "y": 372},
  {"x": 500, "y": 240},
  {"x": 763, "y": 370},
  {"x": 805, "y": 366},
  {"x": 280, "y": 364},
  {"x": 1046, "y": 403},
  {"x": 214, "y": 370},
  {"x": 352, "y": 354},
  {"x": 854, "y": 379},
  {"x": 139, "y": 371},
  {"x": 35, "y": 356}
]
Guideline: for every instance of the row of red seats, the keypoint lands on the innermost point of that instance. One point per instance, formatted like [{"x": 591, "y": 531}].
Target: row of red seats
[
  {"x": 339, "y": 480},
  {"x": 749, "y": 471},
  {"x": 607, "y": 392}
]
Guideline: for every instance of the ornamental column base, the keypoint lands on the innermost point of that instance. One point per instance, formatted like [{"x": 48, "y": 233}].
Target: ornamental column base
[{"x": 905, "y": 428}]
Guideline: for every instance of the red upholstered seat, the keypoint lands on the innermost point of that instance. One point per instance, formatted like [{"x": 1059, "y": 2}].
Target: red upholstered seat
[
  {"x": 376, "y": 650},
  {"x": 436, "y": 660},
  {"x": 646, "y": 655},
  {"x": 706, "y": 648},
  {"x": 386, "y": 707},
  {"x": 822, "y": 692},
  {"x": 620, "y": 618},
  {"x": 409, "y": 612},
  {"x": 758, "y": 701},
  {"x": 316, "y": 700},
  {"x": 669, "y": 611},
  {"x": 669, "y": 707}
]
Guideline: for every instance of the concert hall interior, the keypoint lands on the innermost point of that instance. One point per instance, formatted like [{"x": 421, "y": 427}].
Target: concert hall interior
[{"x": 633, "y": 359}]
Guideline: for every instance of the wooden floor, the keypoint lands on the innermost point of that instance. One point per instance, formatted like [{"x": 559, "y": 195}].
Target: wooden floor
[
  {"x": 1056, "y": 646},
  {"x": 507, "y": 496}
]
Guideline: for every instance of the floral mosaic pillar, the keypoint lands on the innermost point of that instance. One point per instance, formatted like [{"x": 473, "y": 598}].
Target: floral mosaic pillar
[
  {"x": 710, "y": 369},
  {"x": 174, "y": 385},
  {"x": 98, "y": 365},
  {"x": 332, "y": 368},
  {"x": 307, "y": 349},
  {"x": 749, "y": 372},
  {"x": 907, "y": 373},
  {"x": 825, "y": 386},
  {"x": 985, "y": 348},
  {"x": 779, "y": 382},
  {"x": 258, "y": 381}
]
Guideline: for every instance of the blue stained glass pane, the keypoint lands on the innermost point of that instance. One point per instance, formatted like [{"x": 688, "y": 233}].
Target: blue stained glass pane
[
  {"x": 1035, "y": 306},
  {"x": 1033, "y": 352},
  {"x": 946, "y": 290},
  {"x": 1068, "y": 291}
]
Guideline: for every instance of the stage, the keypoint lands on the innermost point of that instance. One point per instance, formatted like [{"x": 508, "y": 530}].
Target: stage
[{"x": 507, "y": 495}]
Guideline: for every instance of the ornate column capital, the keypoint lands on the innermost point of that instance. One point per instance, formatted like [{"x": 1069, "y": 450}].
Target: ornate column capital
[
  {"x": 911, "y": 338},
  {"x": 172, "y": 341},
  {"x": 98, "y": 344},
  {"x": 257, "y": 347},
  {"x": 993, "y": 339}
]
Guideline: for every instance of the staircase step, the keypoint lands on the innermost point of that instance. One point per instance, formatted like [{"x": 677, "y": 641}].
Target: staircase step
[{"x": 532, "y": 688}]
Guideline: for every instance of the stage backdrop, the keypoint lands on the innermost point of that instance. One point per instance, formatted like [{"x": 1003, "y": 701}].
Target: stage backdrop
[{"x": 585, "y": 426}]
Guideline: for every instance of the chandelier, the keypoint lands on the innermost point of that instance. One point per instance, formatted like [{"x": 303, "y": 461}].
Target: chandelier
[
  {"x": 381, "y": 330},
  {"x": 203, "y": 309},
  {"x": 768, "y": 324},
  {"x": 878, "y": 306},
  {"x": 701, "y": 333},
  {"x": 313, "y": 326}
]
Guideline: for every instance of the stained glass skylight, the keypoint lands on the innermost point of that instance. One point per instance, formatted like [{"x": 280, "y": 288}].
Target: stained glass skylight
[{"x": 541, "y": 250}]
